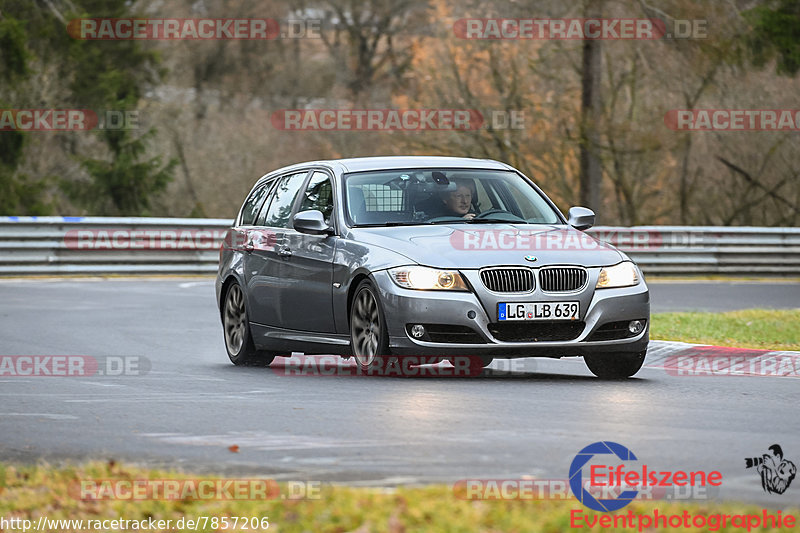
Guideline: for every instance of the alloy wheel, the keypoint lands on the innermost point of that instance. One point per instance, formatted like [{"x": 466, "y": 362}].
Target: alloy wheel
[
  {"x": 235, "y": 320},
  {"x": 365, "y": 327}
]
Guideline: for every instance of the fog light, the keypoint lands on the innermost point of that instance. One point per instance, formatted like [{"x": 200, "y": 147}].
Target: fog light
[
  {"x": 417, "y": 331},
  {"x": 636, "y": 327}
]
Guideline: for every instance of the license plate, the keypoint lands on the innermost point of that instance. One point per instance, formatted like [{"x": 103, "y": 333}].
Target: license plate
[{"x": 539, "y": 311}]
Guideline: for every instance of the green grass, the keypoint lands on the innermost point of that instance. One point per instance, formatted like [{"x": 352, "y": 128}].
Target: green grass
[
  {"x": 32, "y": 491},
  {"x": 752, "y": 328}
]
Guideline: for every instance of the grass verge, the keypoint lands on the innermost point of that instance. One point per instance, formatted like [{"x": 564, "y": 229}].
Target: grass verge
[
  {"x": 29, "y": 492},
  {"x": 766, "y": 329}
]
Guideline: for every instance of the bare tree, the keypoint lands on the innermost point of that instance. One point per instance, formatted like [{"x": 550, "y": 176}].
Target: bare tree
[{"x": 591, "y": 170}]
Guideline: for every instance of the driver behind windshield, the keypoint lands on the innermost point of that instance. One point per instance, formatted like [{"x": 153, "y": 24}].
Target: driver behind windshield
[{"x": 458, "y": 203}]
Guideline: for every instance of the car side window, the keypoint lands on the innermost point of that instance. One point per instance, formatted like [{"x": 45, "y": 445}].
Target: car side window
[
  {"x": 253, "y": 205},
  {"x": 282, "y": 200},
  {"x": 262, "y": 213},
  {"x": 319, "y": 195}
]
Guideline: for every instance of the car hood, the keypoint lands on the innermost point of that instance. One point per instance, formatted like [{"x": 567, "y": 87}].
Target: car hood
[{"x": 468, "y": 246}]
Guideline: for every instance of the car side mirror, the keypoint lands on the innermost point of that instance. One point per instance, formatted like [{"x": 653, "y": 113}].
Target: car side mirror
[
  {"x": 581, "y": 217},
  {"x": 311, "y": 222}
]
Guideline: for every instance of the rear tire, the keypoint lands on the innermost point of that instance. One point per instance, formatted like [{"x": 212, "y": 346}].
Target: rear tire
[
  {"x": 615, "y": 366},
  {"x": 236, "y": 331}
]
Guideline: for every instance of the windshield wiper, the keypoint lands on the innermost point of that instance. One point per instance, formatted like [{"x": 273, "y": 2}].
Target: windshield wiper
[
  {"x": 453, "y": 221},
  {"x": 388, "y": 224},
  {"x": 490, "y": 220}
]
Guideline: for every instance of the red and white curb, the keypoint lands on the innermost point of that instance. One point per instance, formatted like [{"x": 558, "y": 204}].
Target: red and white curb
[{"x": 689, "y": 360}]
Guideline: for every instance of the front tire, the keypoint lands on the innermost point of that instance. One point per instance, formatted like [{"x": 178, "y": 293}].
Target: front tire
[
  {"x": 236, "y": 328},
  {"x": 369, "y": 336},
  {"x": 615, "y": 366}
]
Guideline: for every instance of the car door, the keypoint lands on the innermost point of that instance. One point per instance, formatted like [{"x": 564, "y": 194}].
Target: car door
[
  {"x": 264, "y": 267},
  {"x": 245, "y": 233},
  {"x": 306, "y": 268}
]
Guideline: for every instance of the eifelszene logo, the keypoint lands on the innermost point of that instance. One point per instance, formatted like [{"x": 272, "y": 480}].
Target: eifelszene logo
[
  {"x": 576, "y": 476},
  {"x": 776, "y": 472},
  {"x": 619, "y": 484}
]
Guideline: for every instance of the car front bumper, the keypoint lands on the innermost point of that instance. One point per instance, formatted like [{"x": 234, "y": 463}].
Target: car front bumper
[{"x": 598, "y": 307}]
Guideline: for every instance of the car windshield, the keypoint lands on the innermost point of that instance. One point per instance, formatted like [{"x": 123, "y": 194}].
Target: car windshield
[{"x": 442, "y": 196}]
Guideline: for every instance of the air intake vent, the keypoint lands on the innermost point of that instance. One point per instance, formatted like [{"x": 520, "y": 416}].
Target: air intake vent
[
  {"x": 562, "y": 279},
  {"x": 536, "y": 331},
  {"x": 508, "y": 279}
]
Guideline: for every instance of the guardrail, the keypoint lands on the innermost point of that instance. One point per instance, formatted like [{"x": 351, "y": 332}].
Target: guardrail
[
  {"x": 703, "y": 250},
  {"x": 110, "y": 245},
  {"x": 103, "y": 245}
]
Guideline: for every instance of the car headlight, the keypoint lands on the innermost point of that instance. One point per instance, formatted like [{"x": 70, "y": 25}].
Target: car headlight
[
  {"x": 621, "y": 275},
  {"x": 428, "y": 279}
]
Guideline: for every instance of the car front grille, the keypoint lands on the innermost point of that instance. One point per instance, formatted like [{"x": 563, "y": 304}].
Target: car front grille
[
  {"x": 508, "y": 279},
  {"x": 536, "y": 331},
  {"x": 562, "y": 279}
]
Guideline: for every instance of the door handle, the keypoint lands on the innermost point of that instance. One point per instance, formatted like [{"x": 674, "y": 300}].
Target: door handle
[
  {"x": 249, "y": 246},
  {"x": 285, "y": 252}
]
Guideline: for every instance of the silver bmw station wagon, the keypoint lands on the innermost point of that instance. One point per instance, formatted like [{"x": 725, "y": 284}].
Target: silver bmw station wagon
[{"x": 452, "y": 258}]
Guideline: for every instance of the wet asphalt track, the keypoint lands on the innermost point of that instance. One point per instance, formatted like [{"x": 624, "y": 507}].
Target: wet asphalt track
[{"x": 528, "y": 421}]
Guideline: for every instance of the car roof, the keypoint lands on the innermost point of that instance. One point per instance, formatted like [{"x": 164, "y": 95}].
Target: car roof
[
  {"x": 363, "y": 164},
  {"x": 360, "y": 164}
]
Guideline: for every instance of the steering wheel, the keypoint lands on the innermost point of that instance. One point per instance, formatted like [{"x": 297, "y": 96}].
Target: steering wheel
[
  {"x": 446, "y": 218},
  {"x": 490, "y": 212}
]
